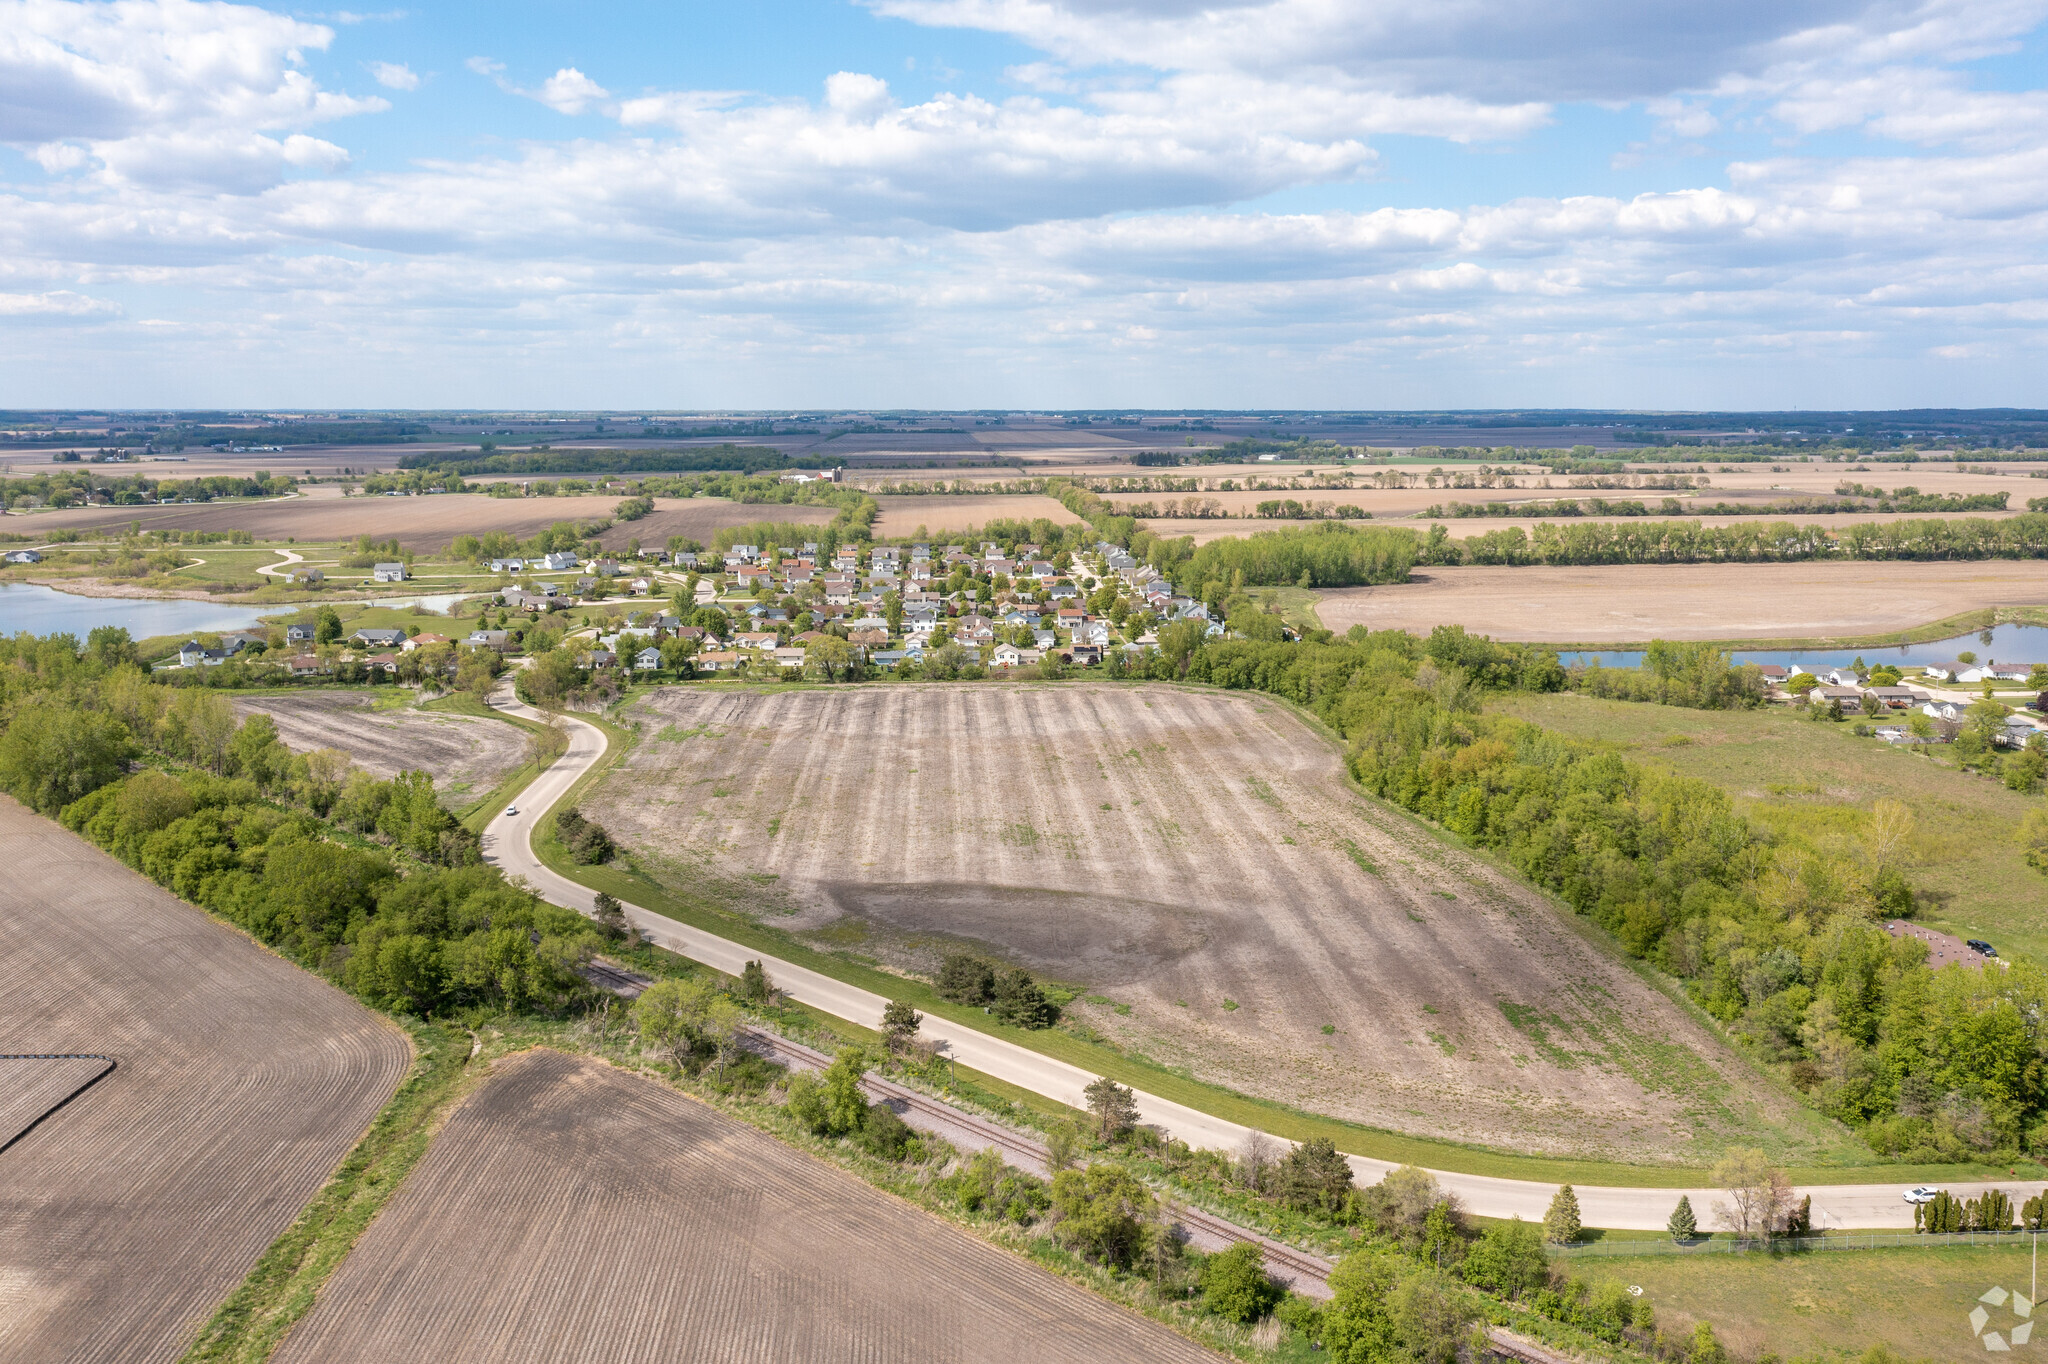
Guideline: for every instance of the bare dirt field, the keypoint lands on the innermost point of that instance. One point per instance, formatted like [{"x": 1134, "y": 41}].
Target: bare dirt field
[
  {"x": 128, "y": 1214},
  {"x": 938, "y": 512},
  {"x": 1195, "y": 861},
  {"x": 572, "y": 1212},
  {"x": 1631, "y": 603},
  {"x": 424, "y": 524},
  {"x": 463, "y": 753}
]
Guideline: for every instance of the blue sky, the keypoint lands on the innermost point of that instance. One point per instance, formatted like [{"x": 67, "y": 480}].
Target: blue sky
[{"x": 1032, "y": 203}]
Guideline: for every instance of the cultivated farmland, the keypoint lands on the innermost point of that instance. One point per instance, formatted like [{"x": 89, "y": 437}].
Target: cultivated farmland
[
  {"x": 461, "y": 752},
  {"x": 1196, "y": 862},
  {"x": 130, "y": 1212},
  {"x": 1617, "y": 603},
  {"x": 902, "y": 514},
  {"x": 427, "y": 524},
  {"x": 572, "y": 1212}
]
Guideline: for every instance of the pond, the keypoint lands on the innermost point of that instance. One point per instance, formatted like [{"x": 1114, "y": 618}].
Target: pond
[
  {"x": 1999, "y": 644},
  {"x": 44, "y": 610}
]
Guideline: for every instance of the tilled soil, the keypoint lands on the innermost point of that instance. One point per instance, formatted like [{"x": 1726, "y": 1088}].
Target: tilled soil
[
  {"x": 1197, "y": 864},
  {"x": 1638, "y": 602},
  {"x": 572, "y": 1212},
  {"x": 465, "y": 754},
  {"x": 129, "y": 1213}
]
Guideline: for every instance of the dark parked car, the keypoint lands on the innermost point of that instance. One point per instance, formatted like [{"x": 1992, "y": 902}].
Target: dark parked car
[{"x": 1978, "y": 945}]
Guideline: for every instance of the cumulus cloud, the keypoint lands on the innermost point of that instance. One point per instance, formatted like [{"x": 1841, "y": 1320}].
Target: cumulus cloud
[
  {"x": 569, "y": 91},
  {"x": 114, "y": 84},
  {"x": 395, "y": 75},
  {"x": 56, "y": 305}
]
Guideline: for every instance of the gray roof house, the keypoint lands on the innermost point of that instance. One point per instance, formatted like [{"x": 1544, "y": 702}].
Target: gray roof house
[
  {"x": 389, "y": 573},
  {"x": 382, "y": 638}
]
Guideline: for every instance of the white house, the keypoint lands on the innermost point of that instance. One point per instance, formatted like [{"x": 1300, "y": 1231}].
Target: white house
[
  {"x": 560, "y": 561},
  {"x": 648, "y": 659},
  {"x": 389, "y": 573},
  {"x": 24, "y": 556}
]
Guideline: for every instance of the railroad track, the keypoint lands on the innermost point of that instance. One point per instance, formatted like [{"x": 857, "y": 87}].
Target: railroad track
[
  {"x": 1505, "y": 1346},
  {"x": 625, "y": 984},
  {"x": 1298, "y": 1265}
]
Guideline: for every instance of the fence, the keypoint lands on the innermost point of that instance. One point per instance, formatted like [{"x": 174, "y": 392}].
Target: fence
[{"x": 1781, "y": 1245}]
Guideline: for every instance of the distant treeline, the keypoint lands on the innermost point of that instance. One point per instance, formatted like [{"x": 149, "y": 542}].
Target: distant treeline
[{"x": 728, "y": 458}]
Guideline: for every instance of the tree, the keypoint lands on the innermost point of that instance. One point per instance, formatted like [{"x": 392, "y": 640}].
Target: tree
[
  {"x": 611, "y": 917},
  {"x": 327, "y": 626},
  {"x": 1507, "y": 1259},
  {"x": 755, "y": 987},
  {"x": 966, "y": 979},
  {"x": 51, "y": 754},
  {"x": 1102, "y": 1212},
  {"x": 1758, "y": 1194},
  {"x": 1235, "y": 1285},
  {"x": 1430, "y": 1315},
  {"x": 845, "y": 1106},
  {"x": 899, "y": 1023},
  {"x": 1682, "y": 1226},
  {"x": 670, "y": 1014},
  {"x": 1561, "y": 1223},
  {"x": 1357, "y": 1327},
  {"x": 1115, "y": 1108},
  {"x": 1020, "y": 1002},
  {"x": 1704, "y": 1348},
  {"x": 1314, "y": 1176},
  {"x": 1061, "y": 1145},
  {"x": 830, "y": 657}
]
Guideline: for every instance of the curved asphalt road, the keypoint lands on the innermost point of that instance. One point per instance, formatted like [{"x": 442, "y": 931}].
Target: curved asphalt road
[{"x": 505, "y": 843}]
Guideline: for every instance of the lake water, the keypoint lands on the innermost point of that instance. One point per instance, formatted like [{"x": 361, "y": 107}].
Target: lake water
[
  {"x": 2007, "y": 644},
  {"x": 44, "y": 611}
]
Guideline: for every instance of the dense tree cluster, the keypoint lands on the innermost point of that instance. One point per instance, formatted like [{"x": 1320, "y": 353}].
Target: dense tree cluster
[{"x": 1007, "y": 992}]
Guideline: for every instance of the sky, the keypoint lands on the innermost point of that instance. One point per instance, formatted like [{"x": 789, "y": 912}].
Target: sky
[{"x": 1025, "y": 204}]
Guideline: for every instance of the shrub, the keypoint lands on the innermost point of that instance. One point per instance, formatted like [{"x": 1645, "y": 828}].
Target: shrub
[
  {"x": 586, "y": 840},
  {"x": 1313, "y": 1177},
  {"x": 1235, "y": 1284},
  {"x": 884, "y": 1133},
  {"x": 967, "y": 979},
  {"x": 1021, "y": 1003},
  {"x": 1102, "y": 1212}
]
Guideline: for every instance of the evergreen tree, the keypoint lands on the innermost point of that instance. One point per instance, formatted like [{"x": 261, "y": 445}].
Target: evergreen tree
[
  {"x": 1683, "y": 1226},
  {"x": 1561, "y": 1224}
]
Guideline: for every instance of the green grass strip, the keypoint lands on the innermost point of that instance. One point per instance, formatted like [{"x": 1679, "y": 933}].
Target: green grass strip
[{"x": 282, "y": 1286}]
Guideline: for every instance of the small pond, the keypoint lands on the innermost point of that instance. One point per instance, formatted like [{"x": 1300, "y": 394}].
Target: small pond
[{"x": 1999, "y": 644}]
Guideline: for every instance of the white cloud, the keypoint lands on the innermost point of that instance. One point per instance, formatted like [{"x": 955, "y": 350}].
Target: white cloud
[
  {"x": 569, "y": 91},
  {"x": 484, "y": 66},
  {"x": 57, "y": 305},
  {"x": 395, "y": 75},
  {"x": 117, "y": 84}
]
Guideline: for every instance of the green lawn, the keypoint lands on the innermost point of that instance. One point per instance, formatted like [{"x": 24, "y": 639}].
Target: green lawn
[
  {"x": 1786, "y": 770},
  {"x": 1832, "y": 1304}
]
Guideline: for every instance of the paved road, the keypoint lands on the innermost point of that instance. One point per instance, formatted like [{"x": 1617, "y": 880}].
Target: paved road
[{"x": 505, "y": 842}]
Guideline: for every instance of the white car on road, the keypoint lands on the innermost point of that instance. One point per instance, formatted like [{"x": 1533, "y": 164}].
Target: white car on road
[
  {"x": 1923, "y": 1193},
  {"x": 511, "y": 810}
]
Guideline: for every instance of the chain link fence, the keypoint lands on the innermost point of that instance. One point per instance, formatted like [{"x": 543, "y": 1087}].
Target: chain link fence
[{"x": 1781, "y": 1245}]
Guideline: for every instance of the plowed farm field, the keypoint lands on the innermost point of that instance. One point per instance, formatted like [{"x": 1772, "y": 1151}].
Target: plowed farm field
[
  {"x": 572, "y": 1212},
  {"x": 427, "y": 524},
  {"x": 1636, "y": 603},
  {"x": 130, "y": 1212},
  {"x": 463, "y": 753},
  {"x": 1197, "y": 865}
]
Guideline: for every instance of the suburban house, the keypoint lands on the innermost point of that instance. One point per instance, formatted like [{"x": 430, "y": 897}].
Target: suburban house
[
  {"x": 389, "y": 573},
  {"x": 719, "y": 661},
  {"x": 787, "y": 657},
  {"x": 601, "y": 658},
  {"x": 559, "y": 561},
  {"x": 1945, "y": 710},
  {"x": 193, "y": 654},
  {"x": 488, "y": 639},
  {"x": 756, "y": 639},
  {"x": 868, "y": 639},
  {"x": 507, "y": 565},
  {"x": 521, "y": 601},
  {"x": 1085, "y": 655},
  {"x": 648, "y": 659},
  {"x": 2018, "y": 730},
  {"x": 1996, "y": 672},
  {"x": 24, "y": 556},
  {"x": 1010, "y": 656},
  {"x": 1776, "y": 674},
  {"x": 307, "y": 576},
  {"x": 1899, "y": 698},
  {"x": 1840, "y": 677},
  {"x": 300, "y": 634},
  {"x": 306, "y": 665},
  {"x": 234, "y": 641},
  {"x": 1944, "y": 672},
  {"x": 389, "y": 639},
  {"x": 387, "y": 662},
  {"x": 423, "y": 640}
]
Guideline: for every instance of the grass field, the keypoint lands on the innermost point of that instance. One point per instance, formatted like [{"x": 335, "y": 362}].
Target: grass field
[
  {"x": 570, "y": 1211},
  {"x": 1195, "y": 866},
  {"x": 1617, "y": 604},
  {"x": 1786, "y": 770},
  {"x": 131, "y": 1212},
  {"x": 1834, "y": 1304}
]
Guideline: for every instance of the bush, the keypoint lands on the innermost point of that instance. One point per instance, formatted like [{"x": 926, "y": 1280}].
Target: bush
[
  {"x": 1102, "y": 1212},
  {"x": 1021, "y": 1003},
  {"x": 586, "y": 840},
  {"x": 1314, "y": 1177},
  {"x": 967, "y": 979},
  {"x": 1235, "y": 1284},
  {"x": 884, "y": 1133}
]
